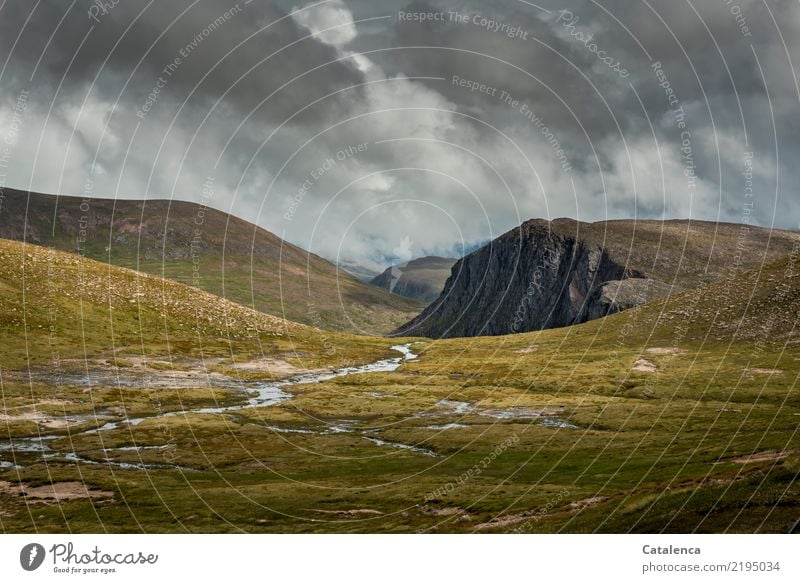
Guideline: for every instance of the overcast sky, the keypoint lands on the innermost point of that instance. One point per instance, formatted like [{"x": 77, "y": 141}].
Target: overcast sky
[{"x": 372, "y": 130}]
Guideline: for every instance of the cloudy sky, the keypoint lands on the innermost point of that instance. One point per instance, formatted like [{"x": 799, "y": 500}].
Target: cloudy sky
[{"x": 371, "y": 130}]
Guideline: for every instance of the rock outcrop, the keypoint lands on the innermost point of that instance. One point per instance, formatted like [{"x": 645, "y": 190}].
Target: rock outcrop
[{"x": 548, "y": 274}]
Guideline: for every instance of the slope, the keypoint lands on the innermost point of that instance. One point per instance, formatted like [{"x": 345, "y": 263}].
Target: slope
[
  {"x": 61, "y": 310},
  {"x": 209, "y": 249}
]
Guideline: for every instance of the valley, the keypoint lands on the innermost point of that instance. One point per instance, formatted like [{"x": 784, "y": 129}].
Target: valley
[
  {"x": 335, "y": 268},
  {"x": 136, "y": 404}
]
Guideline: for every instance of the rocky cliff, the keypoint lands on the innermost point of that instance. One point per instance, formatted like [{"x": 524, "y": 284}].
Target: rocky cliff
[{"x": 548, "y": 274}]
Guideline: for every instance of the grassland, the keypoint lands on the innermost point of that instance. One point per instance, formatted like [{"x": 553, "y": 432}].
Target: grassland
[
  {"x": 678, "y": 416},
  {"x": 199, "y": 246}
]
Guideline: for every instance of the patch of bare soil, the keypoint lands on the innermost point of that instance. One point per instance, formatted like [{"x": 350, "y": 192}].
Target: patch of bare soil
[
  {"x": 352, "y": 512},
  {"x": 40, "y": 419},
  {"x": 60, "y": 491},
  {"x": 769, "y": 371},
  {"x": 503, "y": 521},
  {"x": 272, "y": 367},
  {"x": 587, "y": 502},
  {"x": 666, "y": 351},
  {"x": 448, "y": 511},
  {"x": 527, "y": 350},
  {"x": 761, "y": 456},
  {"x": 643, "y": 365}
]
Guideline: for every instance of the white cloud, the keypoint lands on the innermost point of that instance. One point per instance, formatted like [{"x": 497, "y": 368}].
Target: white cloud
[{"x": 331, "y": 23}]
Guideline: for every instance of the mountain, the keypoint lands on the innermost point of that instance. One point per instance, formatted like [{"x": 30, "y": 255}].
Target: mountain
[
  {"x": 548, "y": 274},
  {"x": 357, "y": 270},
  {"x": 209, "y": 249},
  {"x": 422, "y": 279}
]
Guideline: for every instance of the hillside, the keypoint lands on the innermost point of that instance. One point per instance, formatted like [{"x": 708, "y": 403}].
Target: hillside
[
  {"x": 760, "y": 306},
  {"x": 209, "y": 249},
  {"x": 422, "y": 279},
  {"x": 682, "y": 414},
  {"x": 548, "y": 274},
  {"x": 59, "y": 311}
]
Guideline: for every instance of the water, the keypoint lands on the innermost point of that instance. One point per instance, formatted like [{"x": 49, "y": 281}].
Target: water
[
  {"x": 266, "y": 395},
  {"x": 556, "y": 423},
  {"x": 27, "y": 444},
  {"x": 272, "y": 393},
  {"x": 512, "y": 413},
  {"x": 73, "y": 457},
  {"x": 405, "y": 446},
  {"x": 445, "y": 426},
  {"x": 456, "y": 407},
  {"x": 288, "y": 429}
]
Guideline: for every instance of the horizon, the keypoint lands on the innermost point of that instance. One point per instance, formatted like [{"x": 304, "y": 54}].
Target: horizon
[{"x": 353, "y": 267}]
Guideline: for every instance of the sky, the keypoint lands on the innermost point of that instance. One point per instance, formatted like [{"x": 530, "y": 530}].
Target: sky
[{"x": 373, "y": 131}]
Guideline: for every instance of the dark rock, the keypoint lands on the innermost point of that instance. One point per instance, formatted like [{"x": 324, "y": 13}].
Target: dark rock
[
  {"x": 548, "y": 274},
  {"x": 531, "y": 278}
]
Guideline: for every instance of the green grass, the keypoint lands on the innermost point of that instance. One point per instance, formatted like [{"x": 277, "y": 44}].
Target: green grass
[
  {"x": 209, "y": 249},
  {"x": 654, "y": 451}
]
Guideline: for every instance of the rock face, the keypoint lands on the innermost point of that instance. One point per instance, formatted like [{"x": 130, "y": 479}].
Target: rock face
[
  {"x": 421, "y": 279},
  {"x": 548, "y": 274},
  {"x": 528, "y": 279},
  {"x": 615, "y": 296}
]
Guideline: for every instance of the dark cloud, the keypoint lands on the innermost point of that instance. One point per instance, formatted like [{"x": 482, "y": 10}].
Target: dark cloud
[
  {"x": 468, "y": 160},
  {"x": 244, "y": 52}
]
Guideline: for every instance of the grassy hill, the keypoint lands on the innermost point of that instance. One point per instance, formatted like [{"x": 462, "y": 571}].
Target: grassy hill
[
  {"x": 208, "y": 249},
  {"x": 686, "y": 252},
  {"x": 59, "y": 309},
  {"x": 685, "y": 414}
]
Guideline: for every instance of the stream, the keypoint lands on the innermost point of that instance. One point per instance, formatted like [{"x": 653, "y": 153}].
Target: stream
[
  {"x": 266, "y": 394},
  {"x": 270, "y": 394}
]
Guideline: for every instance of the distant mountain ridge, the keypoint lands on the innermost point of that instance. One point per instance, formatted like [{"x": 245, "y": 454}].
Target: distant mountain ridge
[
  {"x": 422, "y": 278},
  {"x": 360, "y": 272},
  {"x": 209, "y": 249},
  {"x": 548, "y": 274}
]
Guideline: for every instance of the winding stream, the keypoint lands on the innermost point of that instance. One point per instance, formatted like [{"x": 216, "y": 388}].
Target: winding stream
[
  {"x": 266, "y": 395},
  {"x": 270, "y": 394}
]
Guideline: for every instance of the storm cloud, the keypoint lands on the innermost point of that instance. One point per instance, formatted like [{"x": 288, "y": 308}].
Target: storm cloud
[{"x": 363, "y": 131}]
